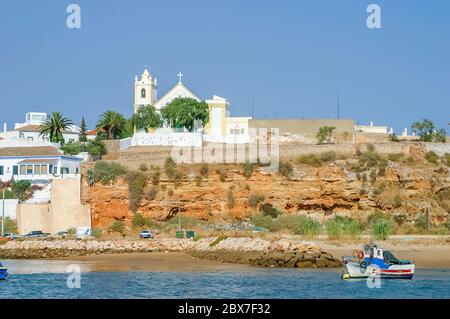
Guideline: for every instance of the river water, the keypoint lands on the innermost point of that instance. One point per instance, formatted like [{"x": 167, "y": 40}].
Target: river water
[{"x": 239, "y": 283}]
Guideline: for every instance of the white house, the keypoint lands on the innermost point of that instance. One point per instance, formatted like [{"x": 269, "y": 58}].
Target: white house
[
  {"x": 372, "y": 129},
  {"x": 38, "y": 164},
  {"x": 29, "y": 130}
]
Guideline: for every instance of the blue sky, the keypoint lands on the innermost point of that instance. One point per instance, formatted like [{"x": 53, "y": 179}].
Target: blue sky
[{"x": 291, "y": 58}]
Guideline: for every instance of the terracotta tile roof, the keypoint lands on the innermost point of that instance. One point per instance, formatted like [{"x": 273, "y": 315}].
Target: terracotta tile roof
[
  {"x": 29, "y": 151},
  {"x": 35, "y": 128},
  {"x": 91, "y": 132}
]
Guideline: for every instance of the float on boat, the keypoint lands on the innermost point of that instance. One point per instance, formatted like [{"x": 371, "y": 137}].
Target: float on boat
[
  {"x": 375, "y": 261},
  {"x": 3, "y": 272}
]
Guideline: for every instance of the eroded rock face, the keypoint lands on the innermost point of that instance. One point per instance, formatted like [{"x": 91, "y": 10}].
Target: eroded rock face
[{"x": 321, "y": 192}]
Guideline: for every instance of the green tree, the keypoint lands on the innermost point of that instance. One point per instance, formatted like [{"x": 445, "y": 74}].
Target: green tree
[
  {"x": 146, "y": 118},
  {"x": 54, "y": 126},
  {"x": 73, "y": 148},
  {"x": 83, "y": 129},
  {"x": 96, "y": 148},
  {"x": 325, "y": 134},
  {"x": 112, "y": 123},
  {"x": 184, "y": 112},
  {"x": 427, "y": 132}
]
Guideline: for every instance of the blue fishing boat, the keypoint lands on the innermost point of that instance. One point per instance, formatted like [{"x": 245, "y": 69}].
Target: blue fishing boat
[
  {"x": 374, "y": 261},
  {"x": 3, "y": 272}
]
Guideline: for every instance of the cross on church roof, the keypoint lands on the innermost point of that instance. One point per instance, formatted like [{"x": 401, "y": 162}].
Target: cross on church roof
[{"x": 180, "y": 75}]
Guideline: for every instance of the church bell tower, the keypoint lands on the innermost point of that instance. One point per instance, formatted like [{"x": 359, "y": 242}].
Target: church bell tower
[{"x": 145, "y": 90}]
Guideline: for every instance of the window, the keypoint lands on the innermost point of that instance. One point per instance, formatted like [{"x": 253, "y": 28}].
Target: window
[
  {"x": 29, "y": 169},
  {"x": 1, "y": 170},
  {"x": 44, "y": 170},
  {"x": 29, "y": 139},
  {"x": 51, "y": 169},
  {"x": 64, "y": 170},
  {"x": 77, "y": 170},
  {"x": 37, "y": 169},
  {"x": 143, "y": 93},
  {"x": 15, "y": 170},
  {"x": 23, "y": 169}
]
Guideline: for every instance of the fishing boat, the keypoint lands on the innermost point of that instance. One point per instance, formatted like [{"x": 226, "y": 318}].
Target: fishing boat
[
  {"x": 375, "y": 261},
  {"x": 3, "y": 272}
]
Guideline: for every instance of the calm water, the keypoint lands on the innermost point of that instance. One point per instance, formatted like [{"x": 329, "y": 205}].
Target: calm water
[{"x": 257, "y": 283}]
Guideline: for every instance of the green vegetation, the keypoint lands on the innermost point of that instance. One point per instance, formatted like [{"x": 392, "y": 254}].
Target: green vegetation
[
  {"x": 107, "y": 172},
  {"x": 136, "y": 184},
  {"x": 96, "y": 148},
  {"x": 73, "y": 148},
  {"x": 222, "y": 175},
  {"x": 96, "y": 233},
  {"x": 143, "y": 167},
  {"x": 427, "y": 132},
  {"x": 170, "y": 192},
  {"x": 23, "y": 190},
  {"x": 325, "y": 135},
  {"x": 198, "y": 180},
  {"x": 217, "y": 241},
  {"x": 83, "y": 130},
  {"x": 156, "y": 175},
  {"x": 397, "y": 201},
  {"x": 54, "y": 126},
  {"x": 204, "y": 169},
  {"x": 138, "y": 220},
  {"x": 230, "y": 199},
  {"x": 170, "y": 168},
  {"x": 184, "y": 112},
  {"x": 117, "y": 227},
  {"x": 308, "y": 228},
  {"x": 382, "y": 229},
  {"x": 255, "y": 199},
  {"x": 9, "y": 225},
  {"x": 371, "y": 161},
  {"x": 340, "y": 227},
  {"x": 248, "y": 169},
  {"x": 268, "y": 210},
  {"x": 112, "y": 123},
  {"x": 151, "y": 195},
  {"x": 432, "y": 157},
  {"x": 397, "y": 157},
  {"x": 146, "y": 118},
  {"x": 310, "y": 159},
  {"x": 285, "y": 169},
  {"x": 446, "y": 157}
]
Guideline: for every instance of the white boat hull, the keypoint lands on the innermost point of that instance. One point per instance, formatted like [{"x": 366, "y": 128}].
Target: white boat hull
[{"x": 354, "y": 270}]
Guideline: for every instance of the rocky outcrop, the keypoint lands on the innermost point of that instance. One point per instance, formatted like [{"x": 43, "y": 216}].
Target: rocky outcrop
[
  {"x": 255, "y": 252},
  {"x": 319, "y": 192}
]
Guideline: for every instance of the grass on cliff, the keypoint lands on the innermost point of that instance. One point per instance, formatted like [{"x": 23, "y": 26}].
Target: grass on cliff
[
  {"x": 107, "y": 172},
  {"x": 343, "y": 227}
]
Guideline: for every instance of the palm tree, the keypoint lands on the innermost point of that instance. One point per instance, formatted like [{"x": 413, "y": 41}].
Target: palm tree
[
  {"x": 54, "y": 126},
  {"x": 112, "y": 123}
]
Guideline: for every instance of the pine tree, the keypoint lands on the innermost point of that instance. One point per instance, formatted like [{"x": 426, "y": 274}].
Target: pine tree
[{"x": 83, "y": 137}]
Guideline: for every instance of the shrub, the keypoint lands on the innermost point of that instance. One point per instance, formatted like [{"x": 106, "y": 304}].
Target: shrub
[
  {"x": 107, "y": 172},
  {"x": 432, "y": 157},
  {"x": 334, "y": 229},
  {"x": 255, "y": 199},
  {"x": 352, "y": 229},
  {"x": 329, "y": 156},
  {"x": 178, "y": 178},
  {"x": 96, "y": 232},
  {"x": 447, "y": 159},
  {"x": 151, "y": 195},
  {"x": 223, "y": 176},
  {"x": 198, "y": 180},
  {"x": 73, "y": 148},
  {"x": 310, "y": 159},
  {"x": 262, "y": 221},
  {"x": 397, "y": 201},
  {"x": 204, "y": 169},
  {"x": 248, "y": 169},
  {"x": 268, "y": 210},
  {"x": 377, "y": 215},
  {"x": 343, "y": 226},
  {"x": 217, "y": 241},
  {"x": 22, "y": 190},
  {"x": 230, "y": 199},
  {"x": 370, "y": 160},
  {"x": 96, "y": 148},
  {"x": 138, "y": 220},
  {"x": 285, "y": 169},
  {"x": 398, "y": 157},
  {"x": 143, "y": 167},
  {"x": 136, "y": 185},
  {"x": 325, "y": 134},
  {"x": 381, "y": 229},
  {"x": 117, "y": 227},
  {"x": 9, "y": 225},
  {"x": 308, "y": 227},
  {"x": 170, "y": 167},
  {"x": 156, "y": 177}
]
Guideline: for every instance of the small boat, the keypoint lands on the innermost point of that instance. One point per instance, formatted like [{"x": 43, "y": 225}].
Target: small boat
[
  {"x": 374, "y": 261},
  {"x": 3, "y": 272}
]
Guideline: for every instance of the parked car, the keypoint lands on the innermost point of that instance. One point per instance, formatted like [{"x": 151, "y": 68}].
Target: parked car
[
  {"x": 145, "y": 234},
  {"x": 10, "y": 236},
  {"x": 36, "y": 234},
  {"x": 62, "y": 234}
]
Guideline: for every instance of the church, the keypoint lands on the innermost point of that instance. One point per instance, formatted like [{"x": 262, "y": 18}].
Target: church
[{"x": 221, "y": 127}]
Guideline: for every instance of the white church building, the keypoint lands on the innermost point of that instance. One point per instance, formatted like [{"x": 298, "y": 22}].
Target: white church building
[{"x": 221, "y": 127}]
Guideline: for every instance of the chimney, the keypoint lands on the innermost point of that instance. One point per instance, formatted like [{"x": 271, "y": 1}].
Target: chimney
[{"x": 5, "y": 127}]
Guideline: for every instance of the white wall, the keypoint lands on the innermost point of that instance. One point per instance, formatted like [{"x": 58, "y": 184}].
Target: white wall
[
  {"x": 10, "y": 208},
  {"x": 167, "y": 139}
]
